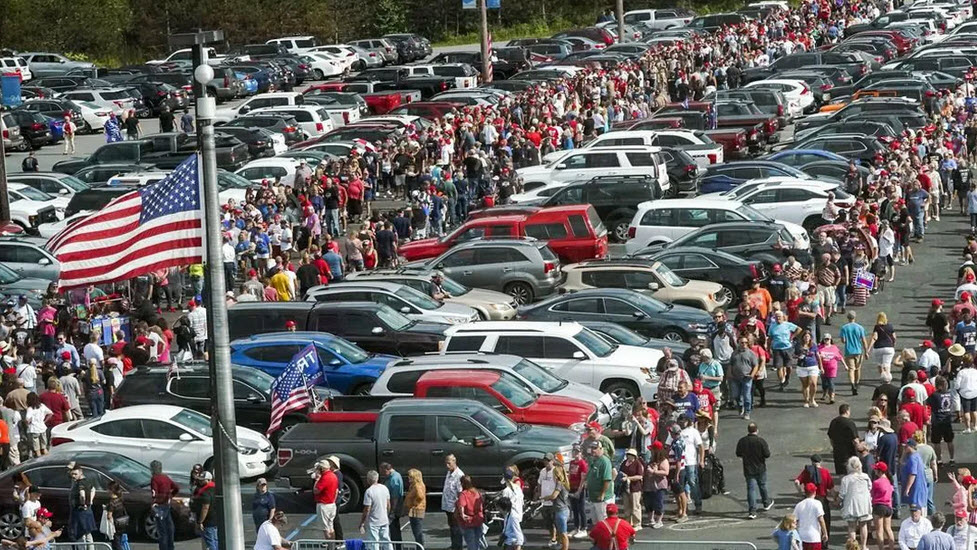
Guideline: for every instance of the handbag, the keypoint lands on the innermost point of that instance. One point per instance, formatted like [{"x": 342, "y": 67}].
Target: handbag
[
  {"x": 106, "y": 527},
  {"x": 124, "y": 542}
]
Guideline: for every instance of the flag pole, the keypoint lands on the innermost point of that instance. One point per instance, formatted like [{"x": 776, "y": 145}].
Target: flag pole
[{"x": 231, "y": 524}]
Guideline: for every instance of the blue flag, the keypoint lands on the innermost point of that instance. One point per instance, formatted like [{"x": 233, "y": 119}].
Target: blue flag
[{"x": 307, "y": 361}]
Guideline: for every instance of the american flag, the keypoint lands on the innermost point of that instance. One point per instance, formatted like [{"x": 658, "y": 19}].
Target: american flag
[
  {"x": 290, "y": 391},
  {"x": 153, "y": 227}
]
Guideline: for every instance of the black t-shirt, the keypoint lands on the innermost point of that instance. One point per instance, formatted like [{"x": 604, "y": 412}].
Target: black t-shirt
[
  {"x": 308, "y": 276},
  {"x": 937, "y": 323},
  {"x": 777, "y": 286},
  {"x": 132, "y": 124},
  {"x": 885, "y": 336},
  {"x": 200, "y": 498},
  {"x": 385, "y": 243},
  {"x": 81, "y": 491},
  {"x": 842, "y": 433},
  {"x": 941, "y": 403}
]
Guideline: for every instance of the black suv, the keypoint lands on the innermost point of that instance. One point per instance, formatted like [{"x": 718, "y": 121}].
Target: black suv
[
  {"x": 95, "y": 198},
  {"x": 189, "y": 386},
  {"x": 683, "y": 172},
  {"x": 377, "y": 328},
  {"x": 866, "y": 149},
  {"x": 768, "y": 242},
  {"x": 851, "y": 62}
]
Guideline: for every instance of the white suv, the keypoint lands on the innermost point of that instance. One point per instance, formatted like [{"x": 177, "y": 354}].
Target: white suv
[
  {"x": 585, "y": 164},
  {"x": 791, "y": 200},
  {"x": 570, "y": 350},
  {"x": 314, "y": 120},
  {"x": 663, "y": 221},
  {"x": 16, "y": 65},
  {"x": 260, "y": 101}
]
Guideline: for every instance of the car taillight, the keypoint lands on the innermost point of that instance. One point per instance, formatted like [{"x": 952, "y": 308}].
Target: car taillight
[
  {"x": 161, "y": 94},
  {"x": 632, "y": 231},
  {"x": 305, "y": 67},
  {"x": 345, "y": 118},
  {"x": 289, "y": 129},
  {"x": 689, "y": 168},
  {"x": 227, "y": 81},
  {"x": 754, "y": 272},
  {"x": 372, "y": 54},
  {"x": 862, "y": 69},
  {"x": 284, "y": 457},
  {"x": 548, "y": 266},
  {"x": 55, "y": 441},
  {"x": 879, "y": 59},
  {"x": 771, "y": 126},
  {"x": 805, "y": 90},
  {"x": 930, "y": 93},
  {"x": 37, "y": 126},
  {"x": 318, "y": 126},
  {"x": 713, "y": 159},
  {"x": 444, "y": 85},
  {"x": 6, "y": 134},
  {"x": 826, "y": 87},
  {"x": 187, "y": 87}
]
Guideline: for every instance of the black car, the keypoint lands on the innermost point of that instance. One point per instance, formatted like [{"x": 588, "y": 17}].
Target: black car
[
  {"x": 259, "y": 140},
  {"x": 283, "y": 124},
  {"x": 705, "y": 264},
  {"x": 850, "y": 61},
  {"x": 49, "y": 473},
  {"x": 64, "y": 83},
  {"x": 867, "y": 127},
  {"x": 183, "y": 81},
  {"x": 629, "y": 308},
  {"x": 377, "y": 328},
  {"x": 768, "y": 242},
  {"x": 834, "y": 169},
  {"x": 867, "y": 149},
  {"x": 189, "y": 386},
  {"x": 96, "y": 198},
  {"x": 617, "y": 334},
  {"x": 157, "y": 95},
  {"x": 956, "y": 65},
  {"x": 683, "y": 172},
  {"x": 34, "y": 128},
  {"x": 57, "y": 108},
  {"x": 769, "y": 101}
]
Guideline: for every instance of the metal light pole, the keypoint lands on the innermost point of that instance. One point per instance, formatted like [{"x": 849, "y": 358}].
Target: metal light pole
[{"x": 231, "y": 526}]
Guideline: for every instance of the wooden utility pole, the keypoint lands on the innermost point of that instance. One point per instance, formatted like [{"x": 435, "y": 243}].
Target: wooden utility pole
[
  {"x": 486, "y": 58},
  {"x": 620, "y": 21},
  {"x": 4, "y": 198}
]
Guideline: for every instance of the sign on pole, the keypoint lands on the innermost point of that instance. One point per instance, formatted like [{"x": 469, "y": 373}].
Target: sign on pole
[
  {"x": 494, "y": 4},
  {"x": 469, "y": 4},
  {"x": 10, "y": 85}
]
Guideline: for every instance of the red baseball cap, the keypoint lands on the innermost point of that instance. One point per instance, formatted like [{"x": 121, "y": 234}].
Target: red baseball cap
[
  {"x": 965, "y": 296},
  {"x": 909, "y": 394},
  {"x": 947, "y": 343},
  {"x": 921, "y": 376},
  {"x": 927, "y": 343},
  {"x": 936, "y": 302},
  {"x": 612, "y": 508},
  {"x": 289, "y": 324},
  {"x": 66, "y": 355},
  {"x": 810, "y": 488}
]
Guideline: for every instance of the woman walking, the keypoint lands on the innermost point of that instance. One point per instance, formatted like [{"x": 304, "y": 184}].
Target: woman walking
[
  {"x": 94, "y": 382},
  {"x": 655, "y": 484},
  {"x": 808, "y": 368},
  {"x": 856, "y": 500},
  {"x": 882, "y": 506},
  {"x": 883, "y": 343},
  {"x": 416, "y": 502},
  {"x": 117, "y": 514},
  {"x": 470, "y": 513}
]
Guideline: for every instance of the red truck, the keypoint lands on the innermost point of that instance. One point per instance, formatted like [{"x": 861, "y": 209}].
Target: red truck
[
  {"x": 574, "y": 232},
  {"x": 379, "y": 103}
]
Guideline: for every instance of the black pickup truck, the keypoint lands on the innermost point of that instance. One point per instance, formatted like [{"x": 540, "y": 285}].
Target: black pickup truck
[
  {"x": 398, "y": 78},
  {"x": 165, "y": 151},
  {"x": 417, "y": 433}
]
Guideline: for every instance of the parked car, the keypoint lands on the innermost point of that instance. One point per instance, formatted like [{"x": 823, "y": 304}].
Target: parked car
[
  {"x": 733, "y": 273},
  {"x": 584, "y": 164},
  {"x": 29, "y": 259},
  {"x": 52, "y": 183},
  {"x": 769, "y": 242},
  {"x": 47, "y": 64},
  {"x": 651, "y": 278},
  {"x": 616, "y": 334},
  {"x": 792, "y": 200},
  {"x": 402, "y": 298},
  {"x": 33, "y": 128},
  {"x": 724, "y": 177},
  {"x": 490, "y": 305}
]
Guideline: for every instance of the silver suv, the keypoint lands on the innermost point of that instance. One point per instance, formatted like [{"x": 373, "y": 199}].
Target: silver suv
[
  {"x": 402, "y": 298},
  {"x": 525, "y": 269},
  {"x": 12, "y": 140}
]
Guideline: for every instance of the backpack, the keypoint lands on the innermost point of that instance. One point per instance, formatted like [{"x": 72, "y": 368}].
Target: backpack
[{"x": 184, "y": 334}]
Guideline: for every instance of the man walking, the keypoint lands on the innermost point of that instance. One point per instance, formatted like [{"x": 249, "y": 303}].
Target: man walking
[
  {"x": 856, "y": 342},
  {"x": 743, "y": 366},
  {"x": 395, "y": 486},
  {"x": 202, "y": 505},
  {"x": 810, "y": 519},
  {"x": 449, "y": 499},
  {"x": 69, "y": 135},
  {"x": 375, "y": 519},
  {"x": 326, "y": 489},
  {"x": 600, "y": 490},
  {"x": 754, "y": 451},
  {"x": 912, "y": 529},
  {"x": 936, "y": 539},
  {"x": 843, "y": 435}
]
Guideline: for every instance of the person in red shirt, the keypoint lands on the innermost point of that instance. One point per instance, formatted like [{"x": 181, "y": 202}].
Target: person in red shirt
[
  {"x": 163, "y": 490},
  {"x": 326, "y": 487},
  {"x": 577, "y": 472},
  {"x": 612, "y": 529},
  {"x": 923, "y": 378},
  {"x": 906, "y": 426},
  {"x": 821, "y": 478},
  {"x": 917, "y": 412},
  {"x": 55, "y": 400}
]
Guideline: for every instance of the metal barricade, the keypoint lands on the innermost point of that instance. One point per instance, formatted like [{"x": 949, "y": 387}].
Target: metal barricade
[
  {"x": 692, "y": 545},
  {"x": 80, "y": 546},
  {"x": 322, "y": 544}
]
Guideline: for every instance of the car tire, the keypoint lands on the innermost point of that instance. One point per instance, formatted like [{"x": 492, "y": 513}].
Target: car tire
[
  {"x": 87, "y": 128},
  {"x": 362, "y": 389},
  {"x": 148, "y": 526},
  {"x": 317, "y": 74},
  {"x": 673, "y": 334},
  {"x": 812, "y": 223},
  {"x": 522, "y": 292},
  {"x": 350, "y": 494},
  {"x": 11, "y": 525},
  {"x": 622, "y": 389},
  {"x": 728, "y": 293},
  {"x": 619, "y": 229}
]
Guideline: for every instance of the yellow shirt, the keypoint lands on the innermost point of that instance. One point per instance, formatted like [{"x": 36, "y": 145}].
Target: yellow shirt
[
  {"x": 196, "y": 270},
  {"x": 280, "y": 282}
]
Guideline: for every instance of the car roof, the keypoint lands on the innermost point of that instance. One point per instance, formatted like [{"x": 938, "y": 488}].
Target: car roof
[
  {"x": 272, "y": 161},
  {"x": 461, "y": 376},
  {"x": 526, "y": 241},
  {"x": 616, "y": 262},
  {"x": 381, "y": 285},
  {"x": 559, "y": 328},
  {"x": 142, "y": 411},
  {"x": 473, "y": 360},
  {"x": 279, "y": 337},
  {"x": 697, "y": 202}
]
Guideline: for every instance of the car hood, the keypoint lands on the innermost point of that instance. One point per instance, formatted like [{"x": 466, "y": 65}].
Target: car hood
[
  {"x": 482, "y": 297},
  {"x": 426, "y": 327},
  {"x": 247, "y": 437},
  {"x": 688, "y": 314},
  {"x": 376, "y": 363},
  {"x": 557, "y": 410},
  {"x": 801, "y": 239},
  {"x": 534, "y": 171},
  {"x": 455, "y": 310},
  {"x": 633, "y": 356},
  {"x": 585, "y": 393},
  {"x": 701, "y": 288},
  {"x": 420, "y": 249},
  {"x": 544, "y": 437}
]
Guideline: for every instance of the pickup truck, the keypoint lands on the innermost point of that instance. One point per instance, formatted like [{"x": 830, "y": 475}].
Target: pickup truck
[
  {"x": 736, "y": 142},
  {"x": 761, "y": 128},
  {"x": 165, "y": 151},
  {"x": 379, "y": 103},
  {"x": 398, "y": 78},
  {"x": 419, "y": 433}
]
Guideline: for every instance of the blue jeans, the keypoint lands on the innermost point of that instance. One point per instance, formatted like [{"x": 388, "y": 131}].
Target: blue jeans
[
  {"x": 841, "y": 296},
  {"x": 474, "y": 538},
  {"x": 930, "y": 506},
  {"x": 209, "y": 536},
  {"x": 692, "y": 485},
  {"x": 742, "y": 393},
  {"x": 457, "y": 540},
  {"x": 164, "y": 526},
  {"x": 380, "y": 534},
  {"x": 919, "y": 224},
  {"x": 756, "y": 484},
  {"x": 96, "y": 401},
  {"x": 417, "y": 528},
  {"x": 578, "y": 511},
  {"x": 332, "y": 221}
]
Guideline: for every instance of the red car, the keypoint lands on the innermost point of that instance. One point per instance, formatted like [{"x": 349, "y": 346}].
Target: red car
[{"x": 574, "y": 232}]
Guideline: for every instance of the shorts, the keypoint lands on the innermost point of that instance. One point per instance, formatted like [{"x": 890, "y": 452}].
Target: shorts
[
  {"x": 560, "y": 518},
  {"x": 941, "y": 431},
  {"x": 827, "y": 294},
  {"x": 968, "y": 405},
  {"x": 655, "y": 500},
  {"x": 782, "y": 358},
  {"x": 828, "y": 384},
  {"x": 327, "y": 515},
  {"x": 811, "y": 546},
  {"x": 807, "y": 372},
  {"x": 853, "y": 362},
  {"x": 884, "y": 356},
  {"x": 882, "y": 510}
]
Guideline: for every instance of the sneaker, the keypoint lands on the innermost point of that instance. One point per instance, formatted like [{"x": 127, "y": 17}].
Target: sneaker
[
  {"x": 752, "y": 515},
  {"x": 768, "y": 506},
  {"x": 746, "y": 417},
  {"x": 553, "y": 544},
  {"x": 659, "y": 525},
  {"x": 682, "y": 519},
  {"x": 580, "y": 535}
]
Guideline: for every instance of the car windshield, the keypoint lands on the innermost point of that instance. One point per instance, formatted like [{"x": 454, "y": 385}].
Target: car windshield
[
  {"x": 192, "y": 420},
  {"x": 514, "y": 390},
  {"x": 34, "y": 194},
  {"x": 454, "y": 288},
  {"x": 539, "y": 377},
  {"x": 752, "y": 214},
  {"x": 229, "y": 180},
  {"x": 350, "y": 352},
  {"x": 393, "y": 318},
  {"x": 495, "y": 422},
  {"x": 256, "y": 378},
  {"x": 7, "y": 276},
  {"x": 74, "y": 183},
  {"x": 416, "y": 298},
  {"x": 597, "y": 345},
  {"x": 669, "y": 276}
]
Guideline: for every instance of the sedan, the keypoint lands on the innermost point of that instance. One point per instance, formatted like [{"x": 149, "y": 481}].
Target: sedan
[
  {"x": 734, "y": 273},
  {"x": 177, "y": 437},
  {"x": 634, "y": 310},
  {"x": 617, "y": 334},
  {"x": 49, "y": 473}
]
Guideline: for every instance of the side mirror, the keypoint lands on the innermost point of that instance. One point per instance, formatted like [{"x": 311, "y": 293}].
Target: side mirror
[
  {"x": 652, "y": 286},
  {"x": 377, "y": 330},
  {"x": 244, "y": 109},
  {"x": 561, "y": 166},
  {"x": 44, "y": 261},
  {"x": 405, "y": 310},
  {"x": 440, "y": 266},
  {"x": 186, "y": 438},
  {"x": 482, "y": 441},
  {"x": 638, "y": 315},
  {"x": 254, "y": 398},
  {"x": 335, "y": 363},
  {"x": 63, "y": 191},
  {"x": 579, "y": 355}
]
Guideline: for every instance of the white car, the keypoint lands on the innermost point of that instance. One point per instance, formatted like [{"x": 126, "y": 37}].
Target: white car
[
  {"x": 314, "y": 120},
  {"x": 185, "y": 57},
  {"x": 794, "y": 200},
  {"x": 260, "y": 101},
  {"x": 95, "y": 115},
  {"x": 535, "y": 192},
  {"x": 694, "y": 142},
  {"x": 24, "y": 192},
  {"x": 16, "y": 65},
  {"x": 175, "y": 436},
  {"x": 663, "y": 221},
  {"x": 324, "y": 65},
  {"x": 116, "y": 100},
  {"x": 269, "y": 169},
  {"x": 571, "y": 351},
  {"x": 345, "y": 54},
  {"x": 465, "y": 75},
  {"x": 296, "y": 44},
  {"x": 797, "y": 93},
  {"x": 931, "y": 33},
  {"x": 584, "y": 164}
]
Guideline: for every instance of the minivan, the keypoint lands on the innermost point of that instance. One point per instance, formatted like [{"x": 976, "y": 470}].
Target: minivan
[{"x": 584, "y": 164}]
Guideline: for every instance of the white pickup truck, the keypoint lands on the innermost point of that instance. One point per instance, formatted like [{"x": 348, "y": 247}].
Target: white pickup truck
[{"x": 185, "y": 57}]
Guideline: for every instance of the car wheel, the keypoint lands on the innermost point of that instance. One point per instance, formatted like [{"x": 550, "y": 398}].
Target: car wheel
[
  {"x": 87, "y": 128},
  {"x": 363, "y": 389},
  {"x": 673, "y": 335},
  {"x": 522, "y": 292},
  {"x": 622, "y": 390},
  {"x": 619, "y": 230},
  {"x": 149, "y": 526},
  {"x": 726, "y": 295},
  {"x": 11, "y": 525},
  {"x": 348, "y": 498},
  {"x": 317, "y": 74},
  {"x": 812, "y": 223}
]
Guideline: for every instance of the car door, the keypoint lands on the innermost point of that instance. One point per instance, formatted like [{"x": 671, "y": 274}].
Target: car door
[
  {"x": 571, "y": 168},
  {"x": 744, "y": 242},
  {"x": 123, "y": 436},
  {"x": 336, "y": 370},
  {"x": 177, "y": 448},
  {"x": 30, "y": 261},
  {"x": 399, "y": 304},
  {"x": 456, "y": 434},
  {"x": 764, "y": 200},
  {"x": 410, "y": 440},
  {"x": 457, "y": 264},
  {"x": 796, "y": 205},
  {"x": 602, "y": 278},
  {"x": 693, "y": 266},
  {"x": 55, "y": 485},
  {"x": 273, "y": 358},
  {"x": 190, "y": 391},
  {"x": 688, "y": 220}
]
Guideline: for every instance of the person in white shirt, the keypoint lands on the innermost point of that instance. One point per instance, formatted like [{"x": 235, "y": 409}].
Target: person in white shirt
[
  {"x": 929, "y": 359},
  {"x": 26, "y": 316},
  {"x": 965, "y": 385},
  {"x": 28, "y": 373},
  {"x": 198, "y": 322},
  {"x": 961, "y": 531},
  {"x": 375, "y": 519},
  {"x": 913, "y": 528},
  {"x": 546, "y": 486},
  {"x": 269, "y": 536},
  {"x": 33, "y": 503},
  {"x": 694, "y": 459},
  {"x": 810, "y": 517},
  {"x": 93, "y": 351},
  {"x": 449, "y": 498},
  {"x": 513, "y": 492}
]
